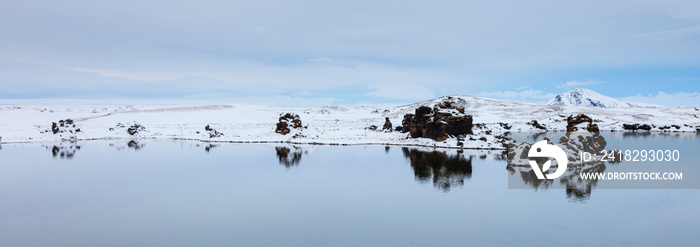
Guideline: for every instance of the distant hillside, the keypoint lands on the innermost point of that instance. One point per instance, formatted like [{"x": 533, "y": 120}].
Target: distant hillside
[{"x": 589, "y": 98}]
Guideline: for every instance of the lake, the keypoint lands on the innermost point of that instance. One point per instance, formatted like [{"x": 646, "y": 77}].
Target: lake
[{"x": 187, "y": 193}]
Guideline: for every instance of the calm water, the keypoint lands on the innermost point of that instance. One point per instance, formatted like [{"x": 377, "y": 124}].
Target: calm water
[{"x": 174, "y": 193}]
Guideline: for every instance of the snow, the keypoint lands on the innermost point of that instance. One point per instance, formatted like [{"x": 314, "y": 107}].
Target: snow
[
  {"x": 335, "y": 124},
  {"x": 589, "y": 98}
]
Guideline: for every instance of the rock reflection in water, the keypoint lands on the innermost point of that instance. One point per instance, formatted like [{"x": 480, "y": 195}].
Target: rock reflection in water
[
  {"x": 209, "y": 147},
  {"x": 289, "y": 157},
  {"x": 572, "y": 143},
  {"x": 445, "y": 170},
  {"x": 135, "y": 145},
  {"x": 131, "y": 144},
  {"x": 64, "y": 150}
]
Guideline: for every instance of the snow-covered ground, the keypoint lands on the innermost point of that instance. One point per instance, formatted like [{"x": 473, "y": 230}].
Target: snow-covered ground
[
  {"x": 238, "y": 123},
  {"x": 520, "y": 114},
  {"x": 325, "y": 125}
]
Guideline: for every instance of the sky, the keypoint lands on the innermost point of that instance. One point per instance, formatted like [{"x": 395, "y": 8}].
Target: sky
[{"x": 349, "y": 52}]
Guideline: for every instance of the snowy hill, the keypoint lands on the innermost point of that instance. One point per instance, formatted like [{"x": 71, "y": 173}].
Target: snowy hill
[{"x": 589, "y": 98}]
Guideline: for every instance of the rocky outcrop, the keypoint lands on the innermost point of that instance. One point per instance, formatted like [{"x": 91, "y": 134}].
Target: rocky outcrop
[
  {"x": 573, "y": 122},
  {"x": 212, "y": 132},
  {"x": 387, "y": 125},
  {"x": 535, "y": 124},
  {"x": 135, "y": 129},
  {"x": 666, "y": 127},
  {"x": 287, "y": 122},
  {"x": 65, "y": 129},
  {"x": 437, "y": 123},
  {"x": 634, "y": 127},
  {"x": 64, "y": 126}
]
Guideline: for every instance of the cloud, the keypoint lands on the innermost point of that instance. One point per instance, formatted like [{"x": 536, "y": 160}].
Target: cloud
[
  {"x": 672, "y": 34},
  {"x": 522, "y": 94},
  {"x": 282, "y": 47},
  {"x": 303, "y": 93},
  {"x": 321, "y": 59},
  {"x": 133, "y": 75},
  {"x": 574, "y": 83},
  {"x": 332, "y": 62},
  {"x": 401, "y": 91},
  {"x": 690, "y": 99},
  {"x": 285, "y": 101}
]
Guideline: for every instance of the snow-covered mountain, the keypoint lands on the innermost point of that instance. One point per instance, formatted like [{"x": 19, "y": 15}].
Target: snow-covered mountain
[{"x": 589, "y": 98}]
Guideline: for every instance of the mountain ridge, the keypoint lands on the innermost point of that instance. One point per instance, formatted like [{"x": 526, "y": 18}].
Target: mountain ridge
[{"x": 588, "y": 98}]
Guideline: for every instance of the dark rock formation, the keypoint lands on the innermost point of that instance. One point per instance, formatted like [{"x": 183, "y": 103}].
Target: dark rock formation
[
  {"x": 437, "y": 123},
  {"x": 64, "y": 126},
  {"x": 572, "y": 123},
  {"x": 54, "y": 128},
  {"x": 666, "y": 127},
  {"x": 387, "y": 125},
  {"x": 135, "y": 129},
  {"x": 535, "y": 124},
  {"x": 372, "y": 127},
  {"x": 635, "y": 127},
  {"x": 212, "y": 132},
  {"x": 505, "y": 126},
  {"x": 287, "y": 121}
]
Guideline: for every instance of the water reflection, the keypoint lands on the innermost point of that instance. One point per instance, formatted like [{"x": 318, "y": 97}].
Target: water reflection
[
  {"x": 64, "y": 150},
  {"x": 444, "y": 170},
  {"x": 135, "y": 145},
  {"x": 289, "y": 157},
  {"x": 131, "y": 144},
  {"x": 573, "y": 144},
  {"x": 209, "y": 147}
]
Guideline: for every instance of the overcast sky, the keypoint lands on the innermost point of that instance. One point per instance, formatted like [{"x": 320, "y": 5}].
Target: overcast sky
[{"x": 323, "y": 52}]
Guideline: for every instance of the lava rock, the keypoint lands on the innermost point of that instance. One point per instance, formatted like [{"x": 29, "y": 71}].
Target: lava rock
[
  {"x": 437, "y": 123},
  {"x": 572, "y": 123},
  {"x": 535, "y": 124},
  {"x": 287, "y": 121},
  {"x": 212, "y": 132},
  {"x": 135, "y": 129},
  {"x": 64, "y": 126},
  {"x": 634, "y": 127},
  {"x": 387, "y": 125}
]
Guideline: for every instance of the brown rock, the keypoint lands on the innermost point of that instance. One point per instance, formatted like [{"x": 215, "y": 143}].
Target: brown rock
[
  {"x": 387, "y": 125},
  {"x": 437, "y": 123},
  {"x": 287, "y": 121},
  {"x": 573, "y": 121}
]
